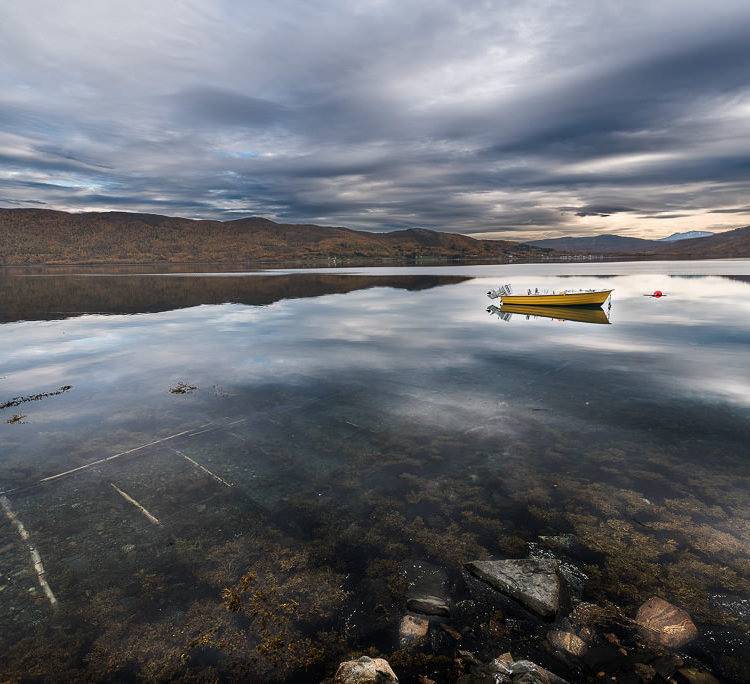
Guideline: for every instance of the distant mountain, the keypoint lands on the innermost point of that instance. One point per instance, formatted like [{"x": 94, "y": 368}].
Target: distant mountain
[
  {"x": 728, "y": 245},
  {"x": 732, "y": 243},
  {"x": 43, "y": 236},
  {"x": 598, "y": 244},
  {"x": 686, "y": 236}
]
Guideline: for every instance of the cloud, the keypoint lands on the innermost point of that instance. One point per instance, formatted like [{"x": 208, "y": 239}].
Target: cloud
[
  {"x": 528, "y": 120},
  {"x": 597, "y": 210},
  {"x": 210, "y": 106}
]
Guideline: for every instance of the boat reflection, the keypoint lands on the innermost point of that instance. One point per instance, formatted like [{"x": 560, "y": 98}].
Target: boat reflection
[{"x": 561, "y": 313}]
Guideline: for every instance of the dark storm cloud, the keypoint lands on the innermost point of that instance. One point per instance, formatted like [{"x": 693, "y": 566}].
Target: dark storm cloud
[
  {"x": 510, "y": 119},
  {"x": 601, "y": 111},
  {"x": 597, "y": 210},
  {"x": 216, "y": 107}
]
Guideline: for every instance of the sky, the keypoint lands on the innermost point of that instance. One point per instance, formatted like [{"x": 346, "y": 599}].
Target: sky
[{"x": 507, "y": 119}]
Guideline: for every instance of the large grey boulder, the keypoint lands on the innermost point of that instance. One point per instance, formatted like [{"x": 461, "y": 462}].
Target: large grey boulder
[{"x": 533, "y": 582}]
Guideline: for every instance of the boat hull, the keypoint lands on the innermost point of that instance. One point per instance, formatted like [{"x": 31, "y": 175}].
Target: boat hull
[{"x": 571, "y": 299}]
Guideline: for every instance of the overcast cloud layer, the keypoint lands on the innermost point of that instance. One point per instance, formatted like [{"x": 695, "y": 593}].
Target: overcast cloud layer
[{"x": 497, "y": 119}]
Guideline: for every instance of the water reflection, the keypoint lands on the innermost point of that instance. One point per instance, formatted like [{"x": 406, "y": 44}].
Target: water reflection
[
  {"x": 50, "y": 295},
  {"x": 331, "y": 438},
  {"x": 579, "y": 314}
]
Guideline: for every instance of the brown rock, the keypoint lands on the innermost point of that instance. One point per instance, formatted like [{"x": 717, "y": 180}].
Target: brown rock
[
  {"x": 449, "y": 630},
  {"x": 413, "y": 629},
  {"x": 365, "y": 671},
  {"x": 568, "y": 642},
  {"x": 665, "y": 624},
  {"x": 694, "y": 676}
]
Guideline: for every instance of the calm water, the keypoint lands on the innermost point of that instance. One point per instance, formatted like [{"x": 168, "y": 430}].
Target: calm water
[{"x": 344, "y": 425}]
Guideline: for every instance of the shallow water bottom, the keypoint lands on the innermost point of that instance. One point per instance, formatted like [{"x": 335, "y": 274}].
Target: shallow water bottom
[{"x": 259, "y": 524}]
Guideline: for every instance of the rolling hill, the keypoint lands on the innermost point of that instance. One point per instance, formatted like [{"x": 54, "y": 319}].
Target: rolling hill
[
  {"x": 732, "y": 243},
  {"x": 42, "y": 236},
  {"x": 597, "y": 244}
]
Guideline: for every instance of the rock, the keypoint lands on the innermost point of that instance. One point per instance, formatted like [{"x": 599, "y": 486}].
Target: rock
[
  {"x": 413, "y": 630},
  {"x": 469, "y": 658},
  {"x": 526, "y": 672},
  {"x": 665, "y": 624},
  {"x": 425, "y": 587},
  {"x": 429, "y": 605},
  {"x": 503, "y": 670},
  {"x": 568, "y": 642},
  {"x": 534, "y": 583},
  {"x": 667, "y": 665},
  {"x": 644, "y": 672},
  {"x": 365, "y": 671},
  {"x": 484, "y": 673},
  {"x": 449, "y": 630},
  {"x": 574, "y": 577},
  {"x": 691, "y": 675}
]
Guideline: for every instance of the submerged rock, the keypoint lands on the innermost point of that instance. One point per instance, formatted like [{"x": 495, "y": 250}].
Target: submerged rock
[
  {"x": 504, "y": 671},
  {"x": 691, "y": 675},
  {"x": 449, "y": 630},
  {"x": 665, "y": 624},
  {"x": 413, "y": 630},
  {"x": 429, "y": 605},
  {"x": 535, "y": 583},
  {"x": 364, "y": 671},
  {"x": 425, "y": 587},
  {"x": 567, "y": 642},
  {"x": 575, "y": 578}
]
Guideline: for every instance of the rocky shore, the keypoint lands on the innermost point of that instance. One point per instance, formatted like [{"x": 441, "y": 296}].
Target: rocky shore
[{"x": 526, "y": 623}]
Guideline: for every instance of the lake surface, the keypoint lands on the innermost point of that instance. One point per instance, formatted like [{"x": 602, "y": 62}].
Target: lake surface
[{"x": 321, "y": 432}]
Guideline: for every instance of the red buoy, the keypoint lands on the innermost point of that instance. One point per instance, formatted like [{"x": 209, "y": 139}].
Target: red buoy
[{"x": 658, "y": 293}]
